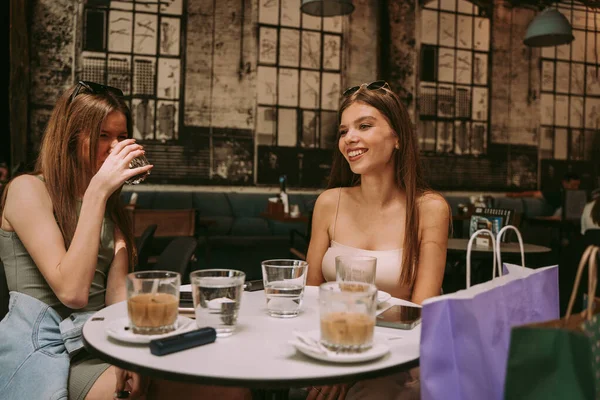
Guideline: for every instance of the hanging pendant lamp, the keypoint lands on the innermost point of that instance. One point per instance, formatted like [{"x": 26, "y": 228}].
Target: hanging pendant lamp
[
  {"x": 549, "y": 28},
  {"x": 327, "y": 8}
]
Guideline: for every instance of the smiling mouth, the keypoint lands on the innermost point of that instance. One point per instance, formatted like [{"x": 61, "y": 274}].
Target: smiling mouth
[{"x": 356, "y": 154}]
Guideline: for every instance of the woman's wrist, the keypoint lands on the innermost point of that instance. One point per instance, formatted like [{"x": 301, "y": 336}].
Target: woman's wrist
[{"x": 95, "y": 191}]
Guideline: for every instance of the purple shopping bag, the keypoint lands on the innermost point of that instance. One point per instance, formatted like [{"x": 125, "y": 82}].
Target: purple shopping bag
[{"x": 465, "y": 335}]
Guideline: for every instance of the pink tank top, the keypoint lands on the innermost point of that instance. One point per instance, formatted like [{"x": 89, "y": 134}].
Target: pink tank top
[{"x": 389, "y": 262}]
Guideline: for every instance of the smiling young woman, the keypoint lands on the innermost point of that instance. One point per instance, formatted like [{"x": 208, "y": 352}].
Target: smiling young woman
[{"x": 378, "y": 204}]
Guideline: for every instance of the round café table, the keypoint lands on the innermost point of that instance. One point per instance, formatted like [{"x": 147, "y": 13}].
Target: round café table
[{"x": 257, "y": 355}]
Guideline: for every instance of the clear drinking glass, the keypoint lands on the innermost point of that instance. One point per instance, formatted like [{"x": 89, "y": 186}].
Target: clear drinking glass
[
  {"x": 153, "y": 301},
  {"x": 284, "y": 282},
  {"x": 356, "y": 268},
  {"x": 347, "y": 316},
  {"x": 137, "y": 162},
  {"x": 217, "y": 295}
]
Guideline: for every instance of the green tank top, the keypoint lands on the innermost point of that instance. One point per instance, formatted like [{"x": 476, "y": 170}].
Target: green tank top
[{"x": 22, "y": 275}]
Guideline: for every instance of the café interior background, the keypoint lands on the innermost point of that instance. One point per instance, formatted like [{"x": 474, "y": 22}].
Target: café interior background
[{"x": 238, "y": 92}]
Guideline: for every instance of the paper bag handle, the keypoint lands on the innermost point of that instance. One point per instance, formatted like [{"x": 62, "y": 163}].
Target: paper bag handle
[
  {"x": 499, "y": 240},
  {"x": 470, "y": 246},
  {"x": 589, "y": 257}
]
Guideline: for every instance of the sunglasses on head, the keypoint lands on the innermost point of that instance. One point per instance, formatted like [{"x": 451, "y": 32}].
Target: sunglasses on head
[
  {"x": 94, "y": 88},
  {"x": 370, "y": 86}
]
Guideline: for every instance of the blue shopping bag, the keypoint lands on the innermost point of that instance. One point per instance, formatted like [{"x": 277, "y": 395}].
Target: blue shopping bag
[{"x": 465, "y": 335}]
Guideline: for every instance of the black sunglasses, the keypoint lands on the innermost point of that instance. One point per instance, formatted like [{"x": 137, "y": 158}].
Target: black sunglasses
[
  {"x": 94, "y": 88},
  {"x": 370, "y": 86}
]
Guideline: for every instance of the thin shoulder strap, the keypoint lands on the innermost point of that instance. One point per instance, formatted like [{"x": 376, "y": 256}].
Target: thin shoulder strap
[{"x": 336, "y": 214}]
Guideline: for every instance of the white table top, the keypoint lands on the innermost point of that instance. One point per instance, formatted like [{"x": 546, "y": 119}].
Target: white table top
[{"x": 257, "y": 355}]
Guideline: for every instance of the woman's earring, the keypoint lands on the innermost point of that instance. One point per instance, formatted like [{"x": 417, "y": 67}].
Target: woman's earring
[{"x": 397, "y": 146}]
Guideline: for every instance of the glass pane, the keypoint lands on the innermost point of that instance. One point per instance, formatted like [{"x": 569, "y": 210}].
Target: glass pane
[
  {"x": 480, "y": 103},
  {"x": 449, "y": 5},
  {"x": 592, "y": 84},
  {"x": 290, "y": 13},
  {"x": 286, "y": 127},
  {"x": 311, "y": 50},
  {"x": 446, "y": 65},
  {"x": 310, "y": 22},
  {"x": 331, "y": 51},
  {"x": 445, "y": 98},
  {"x": 118, "y": 73},
  {"x": 309, "y": 89},
  {"x": 266, "y": 85},
  {"x": 548, "y": 75},
  {"x": 478, "y": 138},
  {"x": 561, "y": 110},
  {"x": 578, "y": 46},
  {"x": 560, "y": 144},
  {"x": 444, "y": 137},
  {"x": 310, "y": 123},
  {"x": 563, "y": 52},
  {"x": 577, "y": 73},
  {"x": 463, "y": 102},
  {"x": 330, "y": 95},
  {"x": 429, "y": 25},
  {"x": 167, "y": 120},
  {"x": 576, "y": 114},
  {"x": 465, "y": 7},
  {"x": 268, "y": 11},
  {"x": 170, "y": 32},
  {"x": 427, "y": 99},
  {"x": 549, "y": 52},
  {"x": 577, "y": 145},
  {"x": 463, "y": 66},
  {"x": 592, "y": 113},
  {"x": 288, "y": 87},
  {"x": 462, "y": 133},
  {"x": 480, "y": 69},
  {"x": 427, "y": 135},
  {"x": 142, "y": 113},
  {"x": 119, "y": 31},
  {"x": 289, "y": 47},
  {"x": 447, "y": 29},
  {"x": 145, "y": 29},
  {"x": 482, "y": 34},
  {"x": 562, "y": 77},
  {"x": 465, "y": 32},
  {"x": 267, "y": 52},
  {"x": 168, "y": 78}
]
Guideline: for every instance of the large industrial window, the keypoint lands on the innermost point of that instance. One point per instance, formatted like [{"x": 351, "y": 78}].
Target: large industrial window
[
  {"x": 136, "y": 46},
  {"x": 454, "y": 78},
  {"x": 570, "y": 89},
  {"x": 298, "y": 77}
]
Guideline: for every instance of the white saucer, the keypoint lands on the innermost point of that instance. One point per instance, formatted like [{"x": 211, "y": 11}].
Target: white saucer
[
  {"x": 383, "y": 296},
  {"x": 119, "y": 330},
  {"x": 379, "y": 349}
]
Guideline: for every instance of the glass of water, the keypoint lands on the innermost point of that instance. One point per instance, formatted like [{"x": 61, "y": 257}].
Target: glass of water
[
  {"x": 284, "y": 282},
  {"x": 217, "y": 295},
  {"x": 356, "y": 268}
]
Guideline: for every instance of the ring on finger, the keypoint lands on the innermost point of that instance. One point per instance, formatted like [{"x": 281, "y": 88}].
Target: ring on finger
[{"x": 317, "y": 389}]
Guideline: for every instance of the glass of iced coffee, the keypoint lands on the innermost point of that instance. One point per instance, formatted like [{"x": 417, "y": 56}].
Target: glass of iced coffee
[
  {"x": 153, "y": 301},
  {"x": 347, "y": 315}
]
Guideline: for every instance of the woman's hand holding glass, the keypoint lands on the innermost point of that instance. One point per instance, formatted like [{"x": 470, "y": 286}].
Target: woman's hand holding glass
[{"x": 115, "y": 170}]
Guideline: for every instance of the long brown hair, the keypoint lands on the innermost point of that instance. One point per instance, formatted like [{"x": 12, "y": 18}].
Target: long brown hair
[
  {"x": 71, "y": 133},
  {"x": 408, "y": 174},
  {"x": 596, "y": 211}
]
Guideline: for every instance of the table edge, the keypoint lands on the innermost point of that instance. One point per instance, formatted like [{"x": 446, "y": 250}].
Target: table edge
[{"x": 248, "y": 383}]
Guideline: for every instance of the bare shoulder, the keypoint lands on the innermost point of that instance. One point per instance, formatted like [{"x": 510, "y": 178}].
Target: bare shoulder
[
  {"x": 27, "y": 189},
  {"x": 432, "y": 205},
  {"x": 327, "y": 200}
]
